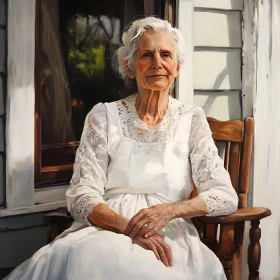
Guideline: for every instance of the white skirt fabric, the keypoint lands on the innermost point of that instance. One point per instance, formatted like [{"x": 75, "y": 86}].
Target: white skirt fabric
[{"x": 94, "y": 253}]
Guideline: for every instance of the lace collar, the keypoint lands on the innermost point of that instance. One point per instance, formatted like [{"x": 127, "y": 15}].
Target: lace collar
[{"x": 134, "y": 128}]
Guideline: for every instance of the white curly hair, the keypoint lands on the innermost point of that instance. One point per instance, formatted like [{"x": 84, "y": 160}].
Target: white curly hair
[{"x": 131, "y": 35}]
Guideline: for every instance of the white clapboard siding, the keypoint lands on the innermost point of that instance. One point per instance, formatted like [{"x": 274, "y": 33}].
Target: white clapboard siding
[
  {"x": 217, "y": 29},
  {"x": 220, "y": 4},
  {"x": 219, "y": 69},
  {"x": 220, "y": 105}
]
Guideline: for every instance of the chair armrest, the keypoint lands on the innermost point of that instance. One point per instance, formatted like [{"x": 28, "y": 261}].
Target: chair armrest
[{"x": 244, "y": 214}]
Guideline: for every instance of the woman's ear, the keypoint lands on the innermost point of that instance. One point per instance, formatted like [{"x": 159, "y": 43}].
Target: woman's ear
[{"x": 128, "y": 70}]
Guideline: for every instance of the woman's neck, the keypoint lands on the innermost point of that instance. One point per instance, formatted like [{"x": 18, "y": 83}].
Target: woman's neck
[{"x": 151, "y": 106}]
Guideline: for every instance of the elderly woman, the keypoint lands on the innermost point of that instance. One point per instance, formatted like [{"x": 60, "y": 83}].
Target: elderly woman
[{"x": 133, "y": 177}]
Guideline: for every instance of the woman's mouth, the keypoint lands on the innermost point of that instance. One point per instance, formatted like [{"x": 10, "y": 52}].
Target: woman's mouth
[{"x": 155, "y": 76}]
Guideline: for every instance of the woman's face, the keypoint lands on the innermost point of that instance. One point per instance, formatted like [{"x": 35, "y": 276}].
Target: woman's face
[{"x": 155, "y": 66}]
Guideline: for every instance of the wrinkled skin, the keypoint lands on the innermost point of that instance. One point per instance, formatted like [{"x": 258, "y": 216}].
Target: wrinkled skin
[
  {"x": 154, "y": 67},
  {"x": 149, "y": 221},
  {"x": 156, "y": 244}
]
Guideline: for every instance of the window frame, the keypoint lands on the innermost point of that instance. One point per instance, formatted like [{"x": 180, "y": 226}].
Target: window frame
[
  {"x": 21, "y": 195},
  {"x": 50, "y": 174}
]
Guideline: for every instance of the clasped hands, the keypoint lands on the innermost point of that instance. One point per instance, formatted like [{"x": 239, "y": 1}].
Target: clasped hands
[{"x": 143, "y": 228}]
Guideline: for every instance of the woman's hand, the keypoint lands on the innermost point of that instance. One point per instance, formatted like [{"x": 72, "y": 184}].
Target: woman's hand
[
  {"x": 156, "y": 244},
  {"x": 149, "y": 220}
]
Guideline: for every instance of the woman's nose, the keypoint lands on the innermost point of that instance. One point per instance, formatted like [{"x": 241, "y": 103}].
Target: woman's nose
[{"x": 157, "y": 63}]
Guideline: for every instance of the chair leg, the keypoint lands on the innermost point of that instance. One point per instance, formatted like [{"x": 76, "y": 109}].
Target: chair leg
[
  {"x": 238, "y": 244},
  {"x": 226, "y": 248},
  {"x": 254, "y": 251}
]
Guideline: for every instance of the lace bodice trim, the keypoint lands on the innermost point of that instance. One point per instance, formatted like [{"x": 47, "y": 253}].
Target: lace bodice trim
[{"x": 134, "y": 128}]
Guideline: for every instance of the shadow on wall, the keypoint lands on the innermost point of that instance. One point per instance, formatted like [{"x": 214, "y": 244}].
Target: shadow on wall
[
  {"x": 228, "y": 71},
  {"x": 209, "y": 105}
]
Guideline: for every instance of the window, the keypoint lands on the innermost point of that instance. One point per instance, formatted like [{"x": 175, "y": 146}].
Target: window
[
  {"x": 23, "y": 161},
  {"x": 73, "y": 55}
]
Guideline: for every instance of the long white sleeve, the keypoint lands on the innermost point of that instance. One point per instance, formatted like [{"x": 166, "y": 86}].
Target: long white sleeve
[
  {"x": 208, "y": 172},
  {"x": 90, "y": 168}
]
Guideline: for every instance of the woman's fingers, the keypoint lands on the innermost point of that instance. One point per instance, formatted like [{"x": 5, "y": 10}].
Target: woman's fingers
[
  {"x": 167, "y": 252},
  {"x": 158, "y": 251},
  {"x": 156, "y": 244},
  {"x": 133, "y": 221},
  {"x": 148, "y": 245},
  {"x": 148, "y": 227},
  {"x": 162, "y": 254},
  {"x": 146, "y": 223},
  {"x": 153, "y": 248},
  {"x": 138, "y": 227},
  {"x": 162, "y": 249},
  {"x": 150, "y": 231},
  {"x": 139, "y": 223},
  {"x": 141, "y": 243}
]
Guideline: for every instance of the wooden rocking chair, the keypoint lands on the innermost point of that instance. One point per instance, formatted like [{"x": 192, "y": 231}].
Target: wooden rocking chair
[{"x": 238, "y": 137}]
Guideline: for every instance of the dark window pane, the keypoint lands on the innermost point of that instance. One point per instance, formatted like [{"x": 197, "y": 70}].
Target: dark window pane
[{"x": 78, "y": 39}]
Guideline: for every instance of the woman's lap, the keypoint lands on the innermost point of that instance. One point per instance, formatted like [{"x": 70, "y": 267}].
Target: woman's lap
[{"x": 93, "y": 253}]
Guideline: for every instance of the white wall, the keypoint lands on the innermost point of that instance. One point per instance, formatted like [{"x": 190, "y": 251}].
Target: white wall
[
  {"x": 266, "y": 100},
  {"x": 217, "y": 88},
  {"x": 217, "y": 57}
]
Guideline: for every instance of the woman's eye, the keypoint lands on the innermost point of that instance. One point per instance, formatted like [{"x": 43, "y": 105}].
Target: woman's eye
[
  {"x": 166, "y": 55},
  {"x": 146, "y": 55}
]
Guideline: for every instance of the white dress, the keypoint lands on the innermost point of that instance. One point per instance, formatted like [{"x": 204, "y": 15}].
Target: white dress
[{"x": 129, "y": 165}]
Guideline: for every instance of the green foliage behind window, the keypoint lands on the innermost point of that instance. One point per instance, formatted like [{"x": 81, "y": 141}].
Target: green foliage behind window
[{"x": 90, "y": 62}]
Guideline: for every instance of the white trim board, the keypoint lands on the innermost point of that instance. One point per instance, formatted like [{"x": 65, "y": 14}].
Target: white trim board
[
  {"x": 220, "y": 4},
  {"x": 50, "y": 194},
  {"x": 249, "y": 54},
  {"x": 21, "y": 196},
  {"x": 184, "y": 82},
  {"x": 33, "y": 209},
  {"x": 20, "y": 104}
]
